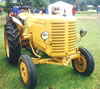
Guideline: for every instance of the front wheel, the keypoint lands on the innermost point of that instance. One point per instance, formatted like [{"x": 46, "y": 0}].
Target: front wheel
[
  {"x": 27, "y": 71},
  {"x": 84, "y": 65}
]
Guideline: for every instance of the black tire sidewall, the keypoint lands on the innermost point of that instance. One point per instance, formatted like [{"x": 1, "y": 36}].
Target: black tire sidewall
[
  {"x": 32, "y": 77},
  {"x": 8, "y": 19},
  {"x": 89, "y": 60},
  {"x": 13, "y": 42}
]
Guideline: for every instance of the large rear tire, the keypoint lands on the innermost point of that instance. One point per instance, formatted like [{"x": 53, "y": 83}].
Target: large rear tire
[
  {"x": 12, "y": 43},
  {"x": 85, "y": 65},
  {"x": 8, "y": 19},
  {"x": 27, "y": 71}
]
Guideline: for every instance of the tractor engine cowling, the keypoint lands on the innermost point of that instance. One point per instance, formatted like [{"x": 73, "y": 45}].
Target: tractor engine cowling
[{"x": 54, "y": 35}]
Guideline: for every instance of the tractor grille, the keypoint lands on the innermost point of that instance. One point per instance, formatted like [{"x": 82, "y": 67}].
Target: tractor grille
[
  {"x": 58, "y": 37},
  {"x": 71, "y": 36}
]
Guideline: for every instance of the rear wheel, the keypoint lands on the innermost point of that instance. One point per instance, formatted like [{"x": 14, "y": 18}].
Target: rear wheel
[
  {"x": 27, "y": 71},
  {"x": 12, "y": 43},
  {"x": 8, "y": 19},
  {"x": 84, "y": 65}
]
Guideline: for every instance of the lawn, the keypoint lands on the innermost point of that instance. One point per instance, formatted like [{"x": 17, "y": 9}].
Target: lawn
[{"x": 52, "y": 76}]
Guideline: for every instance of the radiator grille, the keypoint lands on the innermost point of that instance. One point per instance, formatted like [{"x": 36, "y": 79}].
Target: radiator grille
[
  {"x": 58, "y": 37},
  {"x": 71, "y": 36}
]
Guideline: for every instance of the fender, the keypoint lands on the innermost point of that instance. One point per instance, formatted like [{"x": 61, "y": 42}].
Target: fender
[{"x": 17, "y": 21}]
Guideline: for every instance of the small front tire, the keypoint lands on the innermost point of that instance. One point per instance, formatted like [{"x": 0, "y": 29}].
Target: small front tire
[
  {"x": 85, "y": 66},
  {"x": 27, "y": 71}
]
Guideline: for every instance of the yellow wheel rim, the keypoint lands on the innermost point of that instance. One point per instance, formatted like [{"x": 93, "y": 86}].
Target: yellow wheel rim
[
  {"x": 80, "y": 64},
  {"x": 7, "y": 45},
  {"x": 24, "y": 72}
]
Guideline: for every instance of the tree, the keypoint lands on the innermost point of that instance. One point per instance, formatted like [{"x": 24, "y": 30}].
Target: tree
[
  {"x": 10, "y": 4},
  {"x": 34, "y": 3},
  {"x": 81, "y": 4},
  {"x": 40, "y": 3},
  {"x": 68, "y": 1},
  {"x": 7, "y": 3},
  {"x": 95, "y": 2}
]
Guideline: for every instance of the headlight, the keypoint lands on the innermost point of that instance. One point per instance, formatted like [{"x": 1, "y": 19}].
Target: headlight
[
  {"x": 45, "y": 35},
  {"x": 83, "y": 32}
]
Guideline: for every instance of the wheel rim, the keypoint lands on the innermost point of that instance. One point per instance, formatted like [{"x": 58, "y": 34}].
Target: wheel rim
[
  {"x": 80, "y": 64},
  {"x": 6, "y": 45},
  {"x": 24, "y": 72}
]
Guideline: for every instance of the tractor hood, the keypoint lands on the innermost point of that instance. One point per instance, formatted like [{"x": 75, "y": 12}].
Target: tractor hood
[
  {"x": 52, "y": 17},
  {"x": 58, "y": 30},
  {"x": 26, "y": 15}
]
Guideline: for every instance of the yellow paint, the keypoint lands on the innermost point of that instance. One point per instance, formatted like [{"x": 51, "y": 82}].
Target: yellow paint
[
  {"x": 24, "y": 72},
  {"x": 61, "y": 43},
  {"x": 81, "y": 64},
  {"x": 57, "y": 61},
  {"x": 62, "y": 35},
  {"x": 6, "y": 45}
]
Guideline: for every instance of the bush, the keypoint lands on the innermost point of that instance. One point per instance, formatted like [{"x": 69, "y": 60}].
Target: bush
[{"x": 83, "y": 6}]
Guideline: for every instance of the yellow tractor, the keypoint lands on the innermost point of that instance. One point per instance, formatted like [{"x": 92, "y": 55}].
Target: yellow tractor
[{"x": 52, "y": 35}]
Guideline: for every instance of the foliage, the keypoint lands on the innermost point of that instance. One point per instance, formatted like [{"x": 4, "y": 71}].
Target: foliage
[
  {"x": 95, "y": 2},
  {"x": 68, "y": 1},
  {"x": 34, "y": 3},
  {"x": 40, "y": 3},
  {"x": 7, "y": 3},
  {"x": 83, "y": 6},
  {"x": 10, "y": 5}
]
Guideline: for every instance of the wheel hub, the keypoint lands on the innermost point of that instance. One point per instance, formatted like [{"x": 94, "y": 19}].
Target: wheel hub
[
  {"x": 24, "y": 72},
  {"x": 81, "y": 64}
]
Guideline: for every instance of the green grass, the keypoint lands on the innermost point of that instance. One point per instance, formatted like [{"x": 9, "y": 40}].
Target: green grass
[
  {"x": 2, "y": 4},
  {"x": 84, "y": 13},
  {"x": 3, "y": 16},
  {"x": 52, "y": 76}
]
